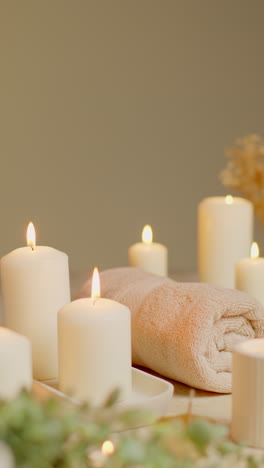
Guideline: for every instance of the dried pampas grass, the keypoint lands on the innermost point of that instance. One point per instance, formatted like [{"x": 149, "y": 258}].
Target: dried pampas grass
[{"x": 245, "y": 171}]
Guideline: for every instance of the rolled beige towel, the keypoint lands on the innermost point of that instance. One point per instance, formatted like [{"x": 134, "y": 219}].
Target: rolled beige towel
[{"x": 184, "y": 331}]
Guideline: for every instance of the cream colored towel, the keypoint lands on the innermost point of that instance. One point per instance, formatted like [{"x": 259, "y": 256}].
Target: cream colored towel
[{"x": 184, "y": 331}]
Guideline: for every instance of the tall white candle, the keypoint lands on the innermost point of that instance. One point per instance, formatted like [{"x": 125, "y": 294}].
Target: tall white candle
[
  {"x": 15, "y": 364},
  {"x": 247, "y": 424},
  {"x": 250, "y": 274},
  {"x": 94, "y": 348},
  {"x": 149, "y": 255},
  {"x": 225, "y": 230},
  {"x": 35, "y": 285}
]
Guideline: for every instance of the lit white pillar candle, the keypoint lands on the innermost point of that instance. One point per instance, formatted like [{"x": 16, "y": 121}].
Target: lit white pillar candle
[
  {"x": 250, "y": 274},
  {"x": 35, "y": 285},
  {"x": 225, "y": 230},
  {"x": 94, "y": 347},
  {"x": 247, "y": 424},
  {"x": 148, "y": 255},
  {"x": 15, "y": 364}
]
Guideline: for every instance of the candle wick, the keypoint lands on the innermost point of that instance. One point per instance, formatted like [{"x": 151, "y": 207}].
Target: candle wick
[
  {"x": 95, "y": 300},
  {"x": 32, "y": 247}
]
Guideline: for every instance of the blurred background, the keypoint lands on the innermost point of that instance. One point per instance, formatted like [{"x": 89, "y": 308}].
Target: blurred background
[{"x": 115, "y": 114}]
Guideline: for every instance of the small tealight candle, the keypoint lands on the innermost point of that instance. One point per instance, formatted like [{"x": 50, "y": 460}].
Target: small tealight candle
[
  {"x": 94, "y": 336},
  {"x": 247, "y": 424},
  {"x": 250, "y": 274},
  {"x": 98, "y": 457},
  {"x": 35, "y": 285},
  {"x": 15, "y": 364},
  {"x": 149, "y": 255},
  {"x": 225, "y": 228}
]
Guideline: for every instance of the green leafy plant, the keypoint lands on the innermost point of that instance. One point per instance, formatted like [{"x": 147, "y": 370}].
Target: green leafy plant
[{"x": 53, "y": 434}]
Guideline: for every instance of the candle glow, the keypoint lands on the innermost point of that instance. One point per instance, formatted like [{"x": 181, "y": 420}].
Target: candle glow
[
  {"x": 254, "y": 253},
  {"x": 95, "y": 284},
  {"x": 229, "y": 199},
  {"x": 147, "y": 235},
  {"x": 31, "y": 236},
  {"x": 108, "y": 448}
]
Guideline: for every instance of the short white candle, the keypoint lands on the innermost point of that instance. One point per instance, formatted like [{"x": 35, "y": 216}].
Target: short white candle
[
  {"x": 247, "y": 424},
  {"x": 250, "y": 274},
  {"x": 149, "y": 255},
  {"x": 35, "y": 285},
  {"x": 94, "y": 348},
  {"x": 15, "y": 364},
  {"x": 225, "y": 229}
]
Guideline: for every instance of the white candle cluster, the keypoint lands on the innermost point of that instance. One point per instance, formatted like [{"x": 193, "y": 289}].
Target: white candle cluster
[
  {"x": 87, "y": 343},
  {"x": 225, "y": 234}
]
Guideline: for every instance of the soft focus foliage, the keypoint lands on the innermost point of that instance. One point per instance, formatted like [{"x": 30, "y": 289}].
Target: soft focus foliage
[
  {"x": 245, "y": 171},
  {"x": 54, "y": 435}
]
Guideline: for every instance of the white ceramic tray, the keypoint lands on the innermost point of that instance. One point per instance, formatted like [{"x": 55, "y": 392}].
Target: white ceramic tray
[{"x": 148, "y": 392}]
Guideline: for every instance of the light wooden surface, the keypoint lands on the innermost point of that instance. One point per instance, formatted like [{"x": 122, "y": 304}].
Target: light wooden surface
[
  {"x": 206, "y": 404},
  {"x": 210, "y": 405}
]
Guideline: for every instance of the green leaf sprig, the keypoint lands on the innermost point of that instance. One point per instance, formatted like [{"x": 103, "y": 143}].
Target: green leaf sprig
[{"x": 53, "y": 434}]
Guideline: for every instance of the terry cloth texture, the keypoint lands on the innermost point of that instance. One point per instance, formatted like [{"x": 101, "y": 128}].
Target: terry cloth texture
[{"x": 184, "y": 331}]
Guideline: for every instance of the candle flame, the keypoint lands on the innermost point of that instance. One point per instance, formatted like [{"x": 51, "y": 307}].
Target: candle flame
[
  {"x": 229, "y": 199},
  {"x": 95, "y": 284},
  {"x": 254, "y": 253},
  {"x": 31, "y": 236},
  {"x": 108, "y": 447},
  {"x": 147, "y": 234}
]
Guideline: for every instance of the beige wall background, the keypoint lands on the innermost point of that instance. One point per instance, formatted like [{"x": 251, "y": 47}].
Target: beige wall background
[{"x": 114, "y": 114}]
